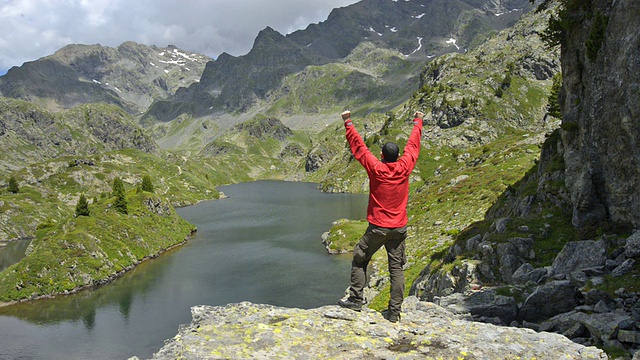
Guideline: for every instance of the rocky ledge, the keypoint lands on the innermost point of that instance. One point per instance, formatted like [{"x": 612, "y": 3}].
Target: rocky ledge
[{"x": 247, "y": 330}]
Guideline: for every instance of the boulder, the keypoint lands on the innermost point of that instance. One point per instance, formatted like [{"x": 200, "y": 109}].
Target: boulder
[
  {"x": 632, "y": 247},
  {"x": 482, "y": 304},
  {"x": 527, "y": 273},
  {"x": 511, "y": 256},
  {"x": 561, "y": 294},
  {"x": 604, "y": 327},
  {"x": 624, "y": 268},
  {"x": 626, "y": 336},
  {"x": 579, "y": 255}
]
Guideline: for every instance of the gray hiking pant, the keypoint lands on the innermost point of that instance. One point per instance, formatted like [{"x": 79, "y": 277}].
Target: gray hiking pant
[{"x": 370, "y": 242}]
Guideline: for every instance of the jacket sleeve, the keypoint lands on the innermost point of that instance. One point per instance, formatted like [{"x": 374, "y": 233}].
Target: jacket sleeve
[
  {"x": 358, "y": 147},
  {"x": 412, "y": 149}
]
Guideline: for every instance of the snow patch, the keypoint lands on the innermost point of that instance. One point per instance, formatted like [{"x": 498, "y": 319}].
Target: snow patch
[
  {"x": 508, "y": 12},
  {"x": 96, "y": 82},
  {"x": 418, "y": 49},
  {"x": 419, "y": 16},
  {"x": 371, "y": 29},
  {"x": 453, "y": 41}
]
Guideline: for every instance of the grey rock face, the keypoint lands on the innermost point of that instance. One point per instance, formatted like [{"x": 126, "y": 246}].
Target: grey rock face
[{"x": 600, "y": 113}]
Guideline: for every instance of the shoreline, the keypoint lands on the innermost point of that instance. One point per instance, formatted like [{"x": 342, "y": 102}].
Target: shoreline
[{"x": 98, "y": 283}]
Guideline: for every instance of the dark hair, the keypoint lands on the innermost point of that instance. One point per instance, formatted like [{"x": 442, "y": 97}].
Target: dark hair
[{"x": 390, "y": 152}]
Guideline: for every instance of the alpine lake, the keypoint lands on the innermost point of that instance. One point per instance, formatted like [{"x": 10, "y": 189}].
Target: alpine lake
[{"x": 260, "y": 244}]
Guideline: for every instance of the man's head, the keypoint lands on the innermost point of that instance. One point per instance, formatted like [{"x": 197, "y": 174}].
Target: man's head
[{"x": 390, "y": 152}]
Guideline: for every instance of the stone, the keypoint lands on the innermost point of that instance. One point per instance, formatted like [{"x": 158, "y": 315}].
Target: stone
[
  {"x": 526, "y": 273},
  {"x": 624, "y": 268},
  {"x": 246, "y": 330},
  {"x": 604, "y": 327},
  {"x": 602, "y": 307},
  {"x": 500, "y": 225},
  {"x": 473, "y": 242},
  {"x": 632, "y": 247},
  {"x": 482, "y": 304},
  {"x": 578, "y": 255},
  {"x": 576, "y": 331},
  {"x": 629, "y": 336},
  {"x": 561, "y": 293},
  {"x": 594, "y": 296},
  {"x": 562, "y": 323},
  {"x": 603, "y": 143}
]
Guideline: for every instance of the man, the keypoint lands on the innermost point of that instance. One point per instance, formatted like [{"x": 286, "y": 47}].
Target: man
[{"x": 386, "y": 213}]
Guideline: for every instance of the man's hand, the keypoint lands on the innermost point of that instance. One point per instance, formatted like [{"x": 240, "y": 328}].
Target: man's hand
[
  {"x": 419, "y": 115},
  {"x": 346, "y": 115}
]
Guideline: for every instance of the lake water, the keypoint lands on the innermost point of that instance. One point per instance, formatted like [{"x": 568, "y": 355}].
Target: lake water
[{"x": 262, "y": 244}]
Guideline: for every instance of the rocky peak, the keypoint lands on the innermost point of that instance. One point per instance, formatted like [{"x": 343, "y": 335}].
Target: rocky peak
[
  {"x": 130, "y": 76},
  {"x": 416, "y": 29}
]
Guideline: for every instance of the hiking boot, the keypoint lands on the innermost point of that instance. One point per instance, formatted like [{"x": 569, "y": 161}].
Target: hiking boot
[
  {"x": 351, "y": 303},
  {"x": 394, "y": 318}
]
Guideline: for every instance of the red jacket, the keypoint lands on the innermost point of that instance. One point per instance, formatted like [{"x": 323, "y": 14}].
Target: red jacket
[{"x": 388, "y": 181}]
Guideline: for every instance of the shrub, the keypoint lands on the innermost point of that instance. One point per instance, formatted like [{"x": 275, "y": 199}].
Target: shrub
[
  {"x": 121, "y": 200},
  {"x": 147, "y": 185},
  {"x": 13, "y": 185},
  {"x": 82, "y": 208}
]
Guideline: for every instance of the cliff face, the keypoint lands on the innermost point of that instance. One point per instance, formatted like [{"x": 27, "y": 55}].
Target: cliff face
[{"x": 601, "y": 107}]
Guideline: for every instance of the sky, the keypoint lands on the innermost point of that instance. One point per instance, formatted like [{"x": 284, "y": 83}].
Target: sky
[{"x": 31, "y": 29}]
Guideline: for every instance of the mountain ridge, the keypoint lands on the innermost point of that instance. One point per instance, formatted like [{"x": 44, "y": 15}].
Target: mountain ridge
[{"x": 130, "y": 76}]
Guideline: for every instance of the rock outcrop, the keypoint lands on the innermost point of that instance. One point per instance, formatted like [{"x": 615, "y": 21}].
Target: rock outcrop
[
  {"x": 426, "y": 331},
  {"x": 601, "y": 132}
]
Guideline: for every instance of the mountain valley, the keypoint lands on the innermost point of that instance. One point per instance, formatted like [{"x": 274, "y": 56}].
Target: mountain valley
[{"x": 505, "y": 189}]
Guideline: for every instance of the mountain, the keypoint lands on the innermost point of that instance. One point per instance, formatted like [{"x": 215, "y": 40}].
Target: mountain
[
  {"x": 130, "y": 76},
  {"x": 511, "y": 208},
  {"x": 30, "y": 134},
  {"x": 415, "y": 29}
]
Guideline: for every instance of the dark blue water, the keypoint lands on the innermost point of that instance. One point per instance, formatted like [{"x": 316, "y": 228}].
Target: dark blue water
[{"x": 262, "y": 244}]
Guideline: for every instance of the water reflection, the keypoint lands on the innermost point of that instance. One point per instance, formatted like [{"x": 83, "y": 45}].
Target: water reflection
[
  {"x": 83, "y": 305},
  {"x": 12, "y": 253}
]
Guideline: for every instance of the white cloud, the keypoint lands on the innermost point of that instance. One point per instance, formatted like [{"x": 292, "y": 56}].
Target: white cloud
[{"x": 35, "y": 28}]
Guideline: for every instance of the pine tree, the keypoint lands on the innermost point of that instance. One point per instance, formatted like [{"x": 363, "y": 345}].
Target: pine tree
[
  {"x": 147, "y": 185},
  {"x": 121, "y": 199},
  {"x": 82, "y": 208},
  {"x": 554, "y": 98},
  {"x": 13, "y": 185}
]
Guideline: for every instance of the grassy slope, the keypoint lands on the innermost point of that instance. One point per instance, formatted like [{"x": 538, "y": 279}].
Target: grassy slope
[
  {"x": 86, "y": 251},
  {"x": 464, "y": 169}
]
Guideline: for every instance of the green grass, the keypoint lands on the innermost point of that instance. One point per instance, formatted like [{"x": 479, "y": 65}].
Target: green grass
[
  {"x": 345, "y": 234},
  {"x": 87, "y": 251}
]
